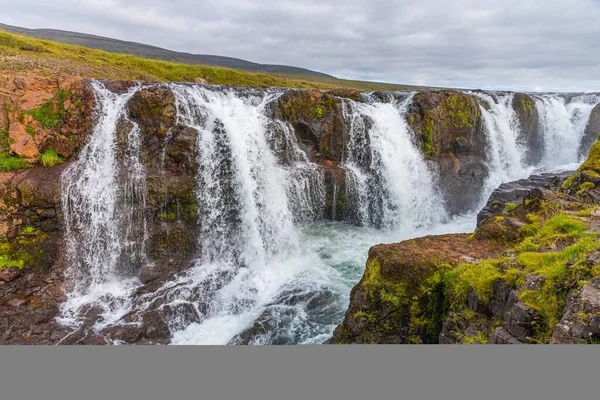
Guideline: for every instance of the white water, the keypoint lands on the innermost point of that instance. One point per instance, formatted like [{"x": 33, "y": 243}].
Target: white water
[
  {"x": 506, "y": 156},
  {"x": 563, "y": 124},
  {"x": 265, "y": 252},
  {"x": 391, "y": 179},
  {"x": 99, "y": 200}
]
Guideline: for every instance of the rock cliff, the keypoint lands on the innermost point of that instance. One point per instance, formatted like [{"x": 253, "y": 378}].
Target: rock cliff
[
  {"x": 529, "y": 274},
  {"x": 406, "y": 294}
]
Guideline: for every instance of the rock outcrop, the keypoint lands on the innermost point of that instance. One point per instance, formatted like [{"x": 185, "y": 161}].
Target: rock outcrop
[
  {"x": 592, "y": 130},
  {"x": 529, "y": 274},
  {"x": 512, "y": 193},
  {"x": 449, "y": 128},
  {"x": 529, "y": 122},
  {"x": 409, "y": 292},
  {"x": 44, "y": 113}
]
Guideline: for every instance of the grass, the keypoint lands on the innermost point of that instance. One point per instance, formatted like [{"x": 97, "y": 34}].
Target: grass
[
  {"x": 20, "y": 52},
  {"x": 12, "y": 163},
  {"x": 561, "y": 269},
  {"x": 49, "y": 158}
]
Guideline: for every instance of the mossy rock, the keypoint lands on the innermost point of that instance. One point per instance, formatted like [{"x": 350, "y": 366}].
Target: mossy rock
[
  {"x": 153, "y": 108},
  {"x": 317, "y": 120},
  {"x": 530, "y": 133},
  {"x": 446, "y": 121}
]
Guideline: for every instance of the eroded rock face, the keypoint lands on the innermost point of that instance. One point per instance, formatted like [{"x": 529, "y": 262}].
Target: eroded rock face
[
  {"x": 592, "y": 130},
  {"x": 317, "y": 120},
  {"x": 45, "y": 113},
  {"x": 449, "y": 128},
  {"x": 515, "y": 192},
  {"x": 529, "y": 122},
  {"x": 400, "y": 298},
  {"x": 580, "y": 321}
]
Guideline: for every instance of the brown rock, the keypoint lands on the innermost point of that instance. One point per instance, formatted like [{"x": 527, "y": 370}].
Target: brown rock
[{"x": 10, "y": 274}]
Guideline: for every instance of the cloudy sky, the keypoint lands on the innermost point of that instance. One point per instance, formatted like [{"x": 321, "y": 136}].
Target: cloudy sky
[{"x": 508, "y": 44}]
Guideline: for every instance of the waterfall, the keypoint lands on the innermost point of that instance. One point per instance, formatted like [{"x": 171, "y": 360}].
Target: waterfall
[
  {"x": 563, "y": 124},
  {"x": 266, "y": 257},
  {"x": 252, "y": 192},
  {"x": 103, "y": 198},
  {"x": 505, "y": 154},
  {"x": 392, "y": 184}
]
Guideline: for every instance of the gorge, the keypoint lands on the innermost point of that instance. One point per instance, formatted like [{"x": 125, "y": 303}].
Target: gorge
[{"x": 198, "y": 214}]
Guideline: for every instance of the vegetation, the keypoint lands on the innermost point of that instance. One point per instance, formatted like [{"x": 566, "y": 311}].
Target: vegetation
[
  {"x": 21, "y": 52},
  {"x": 12, "y": 163},
  {"x": 49, "y": 158}
]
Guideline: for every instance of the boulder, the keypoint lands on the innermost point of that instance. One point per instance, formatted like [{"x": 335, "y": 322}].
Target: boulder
[{"x": 154, "y": 326}]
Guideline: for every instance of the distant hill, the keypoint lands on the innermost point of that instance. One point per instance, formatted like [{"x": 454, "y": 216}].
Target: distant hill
[{"x": 157, "y": 53}]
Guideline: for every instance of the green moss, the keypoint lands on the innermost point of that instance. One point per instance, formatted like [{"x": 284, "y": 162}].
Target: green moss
[
  {"x": 429, "y": 136},
  {"x": 511, "y": 206},
  {"x": 12, "y": 163},
  {"x": 586, "y": 212},
  {"x": 23, "y": 250},
  {"x": 171, "y": 216},
  {"x": 458, "y": 108},
  {"x": 49, "y": 158},
  {"x": 300, "y": 106},
  {"x": 479, "y": 277},
  {"x": 560, "y": 227},
  {"x": 527, "y": 105},
  {"x": 51, "y": 113}
]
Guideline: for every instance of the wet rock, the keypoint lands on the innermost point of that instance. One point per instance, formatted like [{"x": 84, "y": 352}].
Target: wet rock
[
  {"x": 180, "y": 315},
  {"x": 497, "y": 304},
  {"x": 530, "y": 133},
  {"x": 591, "y": 132},
  {"x": 154, "y": 326},
  {"x": 130, "y": 333},
  {"x": 474, "y": 303},
  {"x": 119, "y": 86},
  {"x": 276, "y": 324},
  {"x": 461, "y": 180},
  {"x": 148, "y": 274},
  {"x": 17, "y": 302},
  {"x": 318, "y": 122}
]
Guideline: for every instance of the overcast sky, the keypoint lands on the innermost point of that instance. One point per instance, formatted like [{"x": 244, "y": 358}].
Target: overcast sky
[{"x": 498, "y": 44}]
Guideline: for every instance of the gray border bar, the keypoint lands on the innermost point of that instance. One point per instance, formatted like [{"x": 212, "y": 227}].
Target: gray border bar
[{"x": 298, "y": 372}]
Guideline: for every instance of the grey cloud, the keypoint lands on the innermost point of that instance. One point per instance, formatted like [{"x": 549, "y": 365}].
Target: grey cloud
[{"x": 512, "y": 44}]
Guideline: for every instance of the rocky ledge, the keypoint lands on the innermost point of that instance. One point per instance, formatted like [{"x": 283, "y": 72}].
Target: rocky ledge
[
  {"x": 47, "y": 118},
  {"x": 530, "y": 274}
]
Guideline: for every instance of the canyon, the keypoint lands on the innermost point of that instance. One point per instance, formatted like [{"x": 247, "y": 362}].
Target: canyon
[{"x": 180, "y": 213}]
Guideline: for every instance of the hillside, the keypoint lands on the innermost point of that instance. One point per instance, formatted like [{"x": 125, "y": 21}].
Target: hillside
[
  {"x": 143, "y": 50},
  {"x": 18, "y": 52}
]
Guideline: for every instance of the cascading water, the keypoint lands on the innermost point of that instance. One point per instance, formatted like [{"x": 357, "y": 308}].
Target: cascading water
[
  {"x": 269, "y": 268},
  {"x": 505, "y": 154},
  {"x": 393, "y": 185},
  {"x": 563, "y": 124},
  {"x": 101, "y": 199},
  {"x": 248, "y": 204}
]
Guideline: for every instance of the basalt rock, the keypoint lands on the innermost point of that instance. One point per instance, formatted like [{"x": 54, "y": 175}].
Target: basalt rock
[
  {"x": 449, "y": 129},
  {"x": 580, "y": 320},
  {"x": 592, "y": 130},
  {"x": 318, "y": 121},
  {"x": 515, "y": 192},
  {"x": 530, "y": 133},
  {"x": 401, "y": 297}
]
